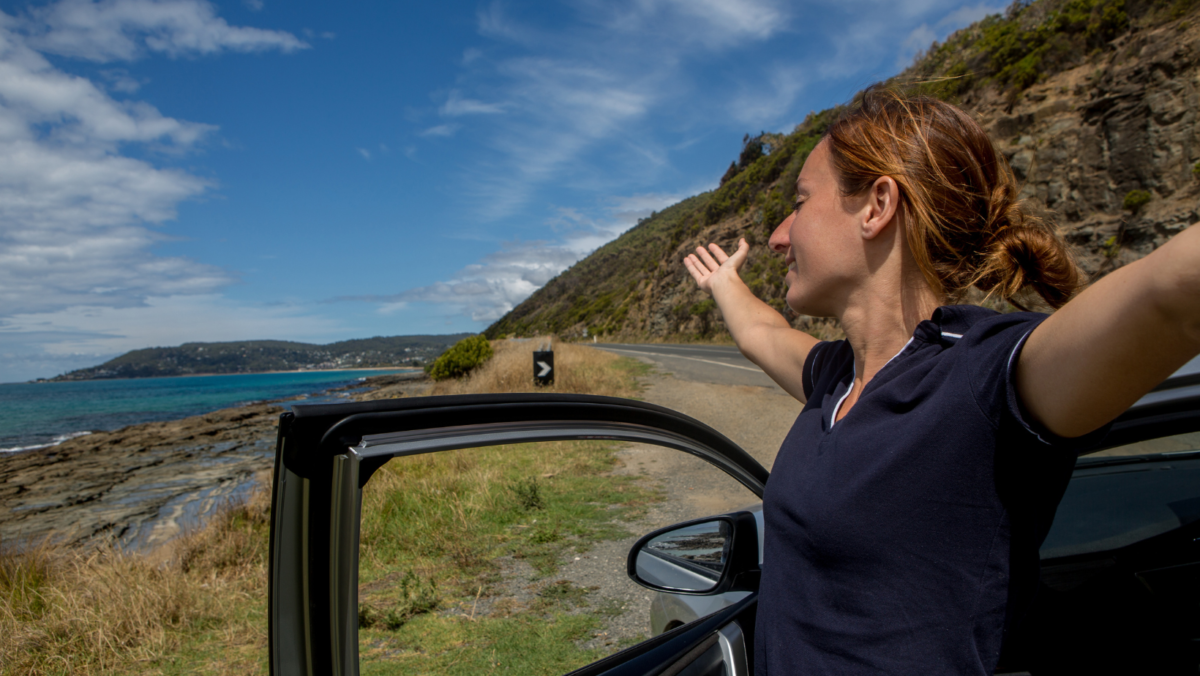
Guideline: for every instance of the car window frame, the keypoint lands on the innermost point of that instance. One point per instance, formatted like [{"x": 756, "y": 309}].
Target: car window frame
[{"x": 326, "y": 453}]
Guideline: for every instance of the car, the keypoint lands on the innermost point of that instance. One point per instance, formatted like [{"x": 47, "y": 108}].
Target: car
[{"x": 1119, "y": 589}]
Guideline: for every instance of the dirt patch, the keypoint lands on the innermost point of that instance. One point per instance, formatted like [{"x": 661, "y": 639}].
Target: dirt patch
[{"x": 756, "y": 418}]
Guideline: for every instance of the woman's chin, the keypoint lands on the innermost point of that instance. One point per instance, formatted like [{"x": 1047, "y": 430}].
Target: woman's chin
[{"x": 803, "y": 305}]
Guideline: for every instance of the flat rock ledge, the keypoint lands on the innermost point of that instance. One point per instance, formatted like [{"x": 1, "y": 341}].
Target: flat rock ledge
[{"x": 140, "y": 486}]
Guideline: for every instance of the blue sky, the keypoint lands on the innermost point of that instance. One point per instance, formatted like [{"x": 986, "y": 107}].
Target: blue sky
[{"x": 182, "y": 170}]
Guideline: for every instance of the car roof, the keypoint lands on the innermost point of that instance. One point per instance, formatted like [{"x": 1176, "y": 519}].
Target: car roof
[{"x": 1183, "y": 384}]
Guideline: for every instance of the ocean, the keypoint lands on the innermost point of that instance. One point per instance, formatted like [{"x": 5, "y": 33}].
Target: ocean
[{"x": 37, "y": 415}]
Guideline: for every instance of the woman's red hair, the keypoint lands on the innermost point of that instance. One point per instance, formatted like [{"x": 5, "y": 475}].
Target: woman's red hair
[{"x": 958, "y": 197}]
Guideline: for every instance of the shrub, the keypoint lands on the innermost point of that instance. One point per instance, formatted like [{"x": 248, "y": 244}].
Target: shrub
[
  {"x": 703, "y": 307},
  {"x": 460, "y": 359},
  {"x": 528, "y": 494},
  {"x": 1136, "y": 199}
]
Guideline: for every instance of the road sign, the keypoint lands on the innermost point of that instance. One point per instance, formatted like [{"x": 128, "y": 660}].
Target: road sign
[{"x": 543, "y": 367}]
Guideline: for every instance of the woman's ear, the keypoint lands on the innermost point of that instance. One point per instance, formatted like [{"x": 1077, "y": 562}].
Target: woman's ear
[{"x": 883, "y": 199}]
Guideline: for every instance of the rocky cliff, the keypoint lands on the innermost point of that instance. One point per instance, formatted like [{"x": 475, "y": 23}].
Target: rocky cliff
[{"x": 1094, "y": 103}]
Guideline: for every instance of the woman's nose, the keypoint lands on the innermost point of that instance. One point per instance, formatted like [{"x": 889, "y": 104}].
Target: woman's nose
[{"x": 781, "y": 239}]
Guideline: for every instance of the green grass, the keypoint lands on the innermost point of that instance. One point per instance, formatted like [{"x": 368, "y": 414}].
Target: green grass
[
  {"x": 522, "y": 644},
  {"x": 435, "y": 531}
]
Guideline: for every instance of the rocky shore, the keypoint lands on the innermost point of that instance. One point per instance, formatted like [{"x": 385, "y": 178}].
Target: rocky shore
[{"x": 141, "y": 485}]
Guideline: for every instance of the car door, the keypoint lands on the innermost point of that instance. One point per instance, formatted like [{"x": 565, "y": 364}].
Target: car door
[{"x": 327, "y": 453}]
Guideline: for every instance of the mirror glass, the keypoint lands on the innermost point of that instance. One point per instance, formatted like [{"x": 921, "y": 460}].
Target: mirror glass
[{"x": 686, "y": 559}]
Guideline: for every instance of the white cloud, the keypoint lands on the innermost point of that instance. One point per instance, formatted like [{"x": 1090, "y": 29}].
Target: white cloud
[
  {"x": 486, "y": 290},
  {"x": 254, "y": 5},
  {"x": 456, "y": 105},
  {"x": 918, "y": 40},
  {"x": 713, "y": 22},
  {"x": 767, "y": 104},
  {"x": 76, "y": 212},
  {"x": 964, "y": 16},
  {"x": 587, "y": 87},
  {"x": 440, "y": 130},
  {"x": 366, "y": 154},
  {"x": 121, "y": 30},
  {"x": 119, "y": 80}
]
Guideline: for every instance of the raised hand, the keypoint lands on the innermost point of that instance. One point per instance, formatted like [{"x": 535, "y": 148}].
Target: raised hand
[{"x": 706, "y": 267}]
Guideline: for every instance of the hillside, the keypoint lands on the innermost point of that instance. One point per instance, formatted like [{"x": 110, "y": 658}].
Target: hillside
[
  {"x": 256, "y": 356},
  {"x": 1094, "y": 103}
]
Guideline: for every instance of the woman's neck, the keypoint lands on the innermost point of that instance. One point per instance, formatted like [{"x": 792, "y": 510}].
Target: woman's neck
[{"x": 879, "y": 322}]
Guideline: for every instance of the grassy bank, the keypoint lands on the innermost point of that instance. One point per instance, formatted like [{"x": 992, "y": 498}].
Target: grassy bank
[{"x": 441, "y": 538}]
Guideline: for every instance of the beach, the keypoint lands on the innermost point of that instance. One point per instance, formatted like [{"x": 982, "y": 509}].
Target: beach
[{"x": 141, "y": 485}]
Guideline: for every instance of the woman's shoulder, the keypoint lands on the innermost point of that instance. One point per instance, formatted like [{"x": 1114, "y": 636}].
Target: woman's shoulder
[{"x": 981, "y": 336}]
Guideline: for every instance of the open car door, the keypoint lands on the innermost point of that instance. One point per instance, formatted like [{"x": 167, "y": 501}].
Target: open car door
[{"x": 327, "y": 453}]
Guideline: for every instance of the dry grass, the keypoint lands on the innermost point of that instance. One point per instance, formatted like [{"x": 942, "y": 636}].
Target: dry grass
[
  {"x": 577, "y": 370},
  {"x": 97, "y": 610}
]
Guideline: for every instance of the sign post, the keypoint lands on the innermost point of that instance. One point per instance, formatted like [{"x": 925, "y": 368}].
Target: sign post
[{"x": 543, "y": 367}]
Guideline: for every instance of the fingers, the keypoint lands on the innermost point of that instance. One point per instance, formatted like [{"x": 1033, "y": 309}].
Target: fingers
[
  {"x": 739, "y": 256},
  {"x": 694, "y": 266},
  {"x": 708, "y": 259},
  {"x": 718, "y": 253}
]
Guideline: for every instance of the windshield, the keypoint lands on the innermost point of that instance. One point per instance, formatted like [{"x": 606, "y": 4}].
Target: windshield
[{"x": 1127, "y": 494}]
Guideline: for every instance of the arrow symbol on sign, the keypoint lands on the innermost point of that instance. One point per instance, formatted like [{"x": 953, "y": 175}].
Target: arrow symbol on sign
[{"x": 545, "y": 369}]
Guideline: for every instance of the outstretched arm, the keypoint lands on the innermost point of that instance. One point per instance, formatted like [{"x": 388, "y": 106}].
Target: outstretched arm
[
  {"x": 1113, "y": 343},
  {"x": 761, "y": 333}
]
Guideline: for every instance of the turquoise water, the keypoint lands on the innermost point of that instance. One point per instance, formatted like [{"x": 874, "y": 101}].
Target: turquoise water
[{"x": 34, "y": 415}]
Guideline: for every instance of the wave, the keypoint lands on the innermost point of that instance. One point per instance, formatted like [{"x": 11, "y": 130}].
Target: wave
[{"x": 54, "y": 442}]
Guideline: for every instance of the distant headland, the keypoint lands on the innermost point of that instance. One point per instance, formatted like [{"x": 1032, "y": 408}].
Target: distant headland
[{"x": 262, "y": 356}]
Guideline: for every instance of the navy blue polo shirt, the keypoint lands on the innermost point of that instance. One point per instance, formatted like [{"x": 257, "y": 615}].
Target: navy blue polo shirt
[{"x": 904, "y": 538}]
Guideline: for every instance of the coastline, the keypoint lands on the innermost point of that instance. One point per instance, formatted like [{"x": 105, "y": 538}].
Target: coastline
[
  {"x": 47, "y": 381},
  {"x": 44, "y": 417},
  {"x": 140, "y": 486}
]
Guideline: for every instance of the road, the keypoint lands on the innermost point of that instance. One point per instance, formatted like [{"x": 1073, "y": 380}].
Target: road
[{"x": 716, "y": 364}]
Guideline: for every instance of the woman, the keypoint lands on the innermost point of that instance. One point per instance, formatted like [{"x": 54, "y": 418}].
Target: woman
[{"x": 906, "y": 506}]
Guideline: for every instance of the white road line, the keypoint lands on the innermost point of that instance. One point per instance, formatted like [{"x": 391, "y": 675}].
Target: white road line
[{"x": 675, "y": 356}]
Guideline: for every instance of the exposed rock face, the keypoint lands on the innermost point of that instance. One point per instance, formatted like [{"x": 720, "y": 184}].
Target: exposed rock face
[{"x": 1086, "y": 138}]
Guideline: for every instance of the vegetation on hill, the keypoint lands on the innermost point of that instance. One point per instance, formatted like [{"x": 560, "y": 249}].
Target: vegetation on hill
[
  {"x": 1093, "y": 102},
  {"x": 257, "y": 356}
]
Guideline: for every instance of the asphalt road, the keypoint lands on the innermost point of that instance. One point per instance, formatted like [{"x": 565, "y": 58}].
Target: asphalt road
[{"x": 717, "y": 364}]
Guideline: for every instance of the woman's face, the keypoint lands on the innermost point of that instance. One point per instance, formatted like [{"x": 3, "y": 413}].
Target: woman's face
[{"x": 820, "y": 240}]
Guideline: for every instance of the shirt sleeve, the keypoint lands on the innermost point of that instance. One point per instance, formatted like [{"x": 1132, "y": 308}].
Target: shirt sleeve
[
  {"x": 993, "y": 348},
  {"x": 811, "y": 362}
]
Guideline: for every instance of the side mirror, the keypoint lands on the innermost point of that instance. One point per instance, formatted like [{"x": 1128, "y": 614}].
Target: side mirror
[{"x": 705, "y": 557}]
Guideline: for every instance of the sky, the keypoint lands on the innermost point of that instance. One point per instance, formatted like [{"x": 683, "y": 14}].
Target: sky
[{"x": 184, "y": 170}]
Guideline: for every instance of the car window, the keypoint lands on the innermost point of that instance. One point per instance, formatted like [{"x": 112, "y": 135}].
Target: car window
[
  {"x": 1126, "y": 495},
  {"x": 514, "y": 557},
  {"x": 1171, "y": 444}
]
